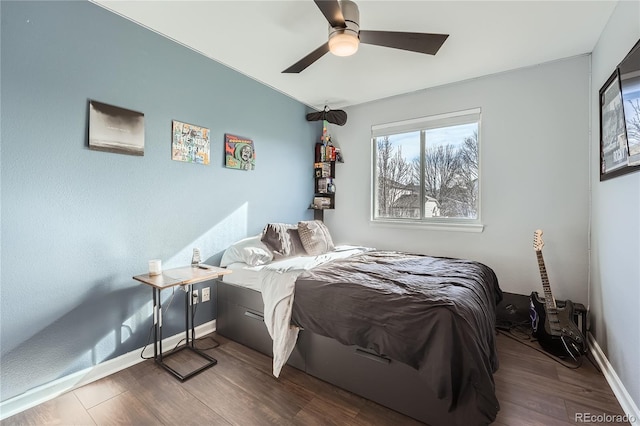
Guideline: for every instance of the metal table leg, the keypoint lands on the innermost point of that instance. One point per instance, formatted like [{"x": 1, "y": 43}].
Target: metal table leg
[{"x": 189, "y": 341}]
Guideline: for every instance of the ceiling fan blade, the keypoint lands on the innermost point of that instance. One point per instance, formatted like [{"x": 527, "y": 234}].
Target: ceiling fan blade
[
  {"x": 307, "y": 60},
  {"x": 335, "y": 116},
  {"x": 331, "y": 10},
  {"x": 415, "y": 42}
]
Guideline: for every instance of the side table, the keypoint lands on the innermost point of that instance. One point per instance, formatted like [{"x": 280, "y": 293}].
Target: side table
[{"x": 184, "y": 276}]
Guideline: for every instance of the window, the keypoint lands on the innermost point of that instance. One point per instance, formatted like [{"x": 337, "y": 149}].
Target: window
[{"x": 426, "y": 170}]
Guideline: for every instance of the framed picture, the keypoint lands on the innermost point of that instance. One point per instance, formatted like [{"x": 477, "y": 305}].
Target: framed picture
[
  {"x": 189, "y": 143},
  {"x": 239, "y": 153},
  {"x": 629, "y": 71},
  {"x": 115, "y": 129},
  {"x": 620, "y": 118},
  {"x": 614, "y": 150}
]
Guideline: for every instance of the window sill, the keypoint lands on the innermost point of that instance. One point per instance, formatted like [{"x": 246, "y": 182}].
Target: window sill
[{"x": 434, "y": 226}]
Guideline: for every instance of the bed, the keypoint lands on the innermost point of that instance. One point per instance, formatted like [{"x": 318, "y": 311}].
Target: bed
[{"x": 412, "y": 332}]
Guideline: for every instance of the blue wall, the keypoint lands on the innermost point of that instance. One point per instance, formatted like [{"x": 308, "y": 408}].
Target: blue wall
[{"x": 78, "y": 224}]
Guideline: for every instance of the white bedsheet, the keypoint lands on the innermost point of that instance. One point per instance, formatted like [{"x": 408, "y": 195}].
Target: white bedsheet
[
  {"x": 244, "y": 276},
  {"x": 277, "y": 283}
]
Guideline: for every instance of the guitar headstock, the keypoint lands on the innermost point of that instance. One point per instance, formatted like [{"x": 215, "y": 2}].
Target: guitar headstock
[{"x": 537, "y": 240}]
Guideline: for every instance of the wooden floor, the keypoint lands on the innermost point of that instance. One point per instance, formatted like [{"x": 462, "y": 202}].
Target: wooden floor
[{"x": 532, "y": 390}]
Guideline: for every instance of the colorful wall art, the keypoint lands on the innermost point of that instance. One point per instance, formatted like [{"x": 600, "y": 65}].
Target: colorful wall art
[
  {"x": 239, "y": 152},
  {"x": 190, "y": 143}
]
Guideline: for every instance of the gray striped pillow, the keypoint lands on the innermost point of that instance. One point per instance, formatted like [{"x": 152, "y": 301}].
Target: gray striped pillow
[{"x": 315, "y": 237}]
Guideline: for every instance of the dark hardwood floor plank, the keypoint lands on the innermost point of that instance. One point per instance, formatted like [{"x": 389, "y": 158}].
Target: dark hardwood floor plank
[
  {"x": 584, "y": 385},
  {"x": 101, "y": 390},
  {"x": 240, "y": 390},
  {"x": 171, "y": 402},
  {"x": 250, "y": 357},
  {"x": 532, "y": 381},
  {"x": 124, "y": 409},
  {"x": 546, "y": 404},
  {"x": 63, "y": 410},
  {"x": 231, "y": 402},
  {"x": 587, "y": 375},
  {"x": 515, "y": 414},
  {"x": 346, "y": 400},
  {"x": 524, "y": 351},
  {"x": 279, "y": 395},
  {"x": 320, "y": 412},
  {"x": 373, "y": 414}
]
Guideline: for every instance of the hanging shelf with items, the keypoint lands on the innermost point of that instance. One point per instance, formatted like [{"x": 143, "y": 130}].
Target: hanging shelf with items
[{"x": 324, "y": 167}]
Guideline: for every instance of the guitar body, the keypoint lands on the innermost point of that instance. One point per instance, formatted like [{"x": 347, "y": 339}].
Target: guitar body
[
  {"x": 553, "y": 326},
  {"x": 559, "y": 338}
]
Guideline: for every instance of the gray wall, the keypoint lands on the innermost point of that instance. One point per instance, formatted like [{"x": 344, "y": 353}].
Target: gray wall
[
  {"x": 534, "y": 174},
  {"x": 615, "y": 236},
  {"x": 78, "y": 224}
]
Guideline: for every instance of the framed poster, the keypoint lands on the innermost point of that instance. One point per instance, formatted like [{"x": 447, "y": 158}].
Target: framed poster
[
  {"x": 629, "y": 70},
  {"x": 620, "y": 118},
  {"x": 189, "y": 143},
  {"x": 239, "y": 153},
  {"x": 614, "y": 150},
  {"x": 115, "y": 129}
]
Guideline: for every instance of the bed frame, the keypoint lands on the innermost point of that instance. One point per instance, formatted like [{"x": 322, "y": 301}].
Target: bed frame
[{"x": 380, "y": 379}]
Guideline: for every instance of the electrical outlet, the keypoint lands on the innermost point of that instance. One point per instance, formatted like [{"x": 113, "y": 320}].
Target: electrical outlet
[
  {"x": 205, "y": 294},
  {"x": 194, "y": 297}
]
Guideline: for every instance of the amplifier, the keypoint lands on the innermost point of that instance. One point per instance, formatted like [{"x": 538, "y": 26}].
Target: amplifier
[
  {"x": 579, "y": 315},
  {"x": 513, "y": 310}
]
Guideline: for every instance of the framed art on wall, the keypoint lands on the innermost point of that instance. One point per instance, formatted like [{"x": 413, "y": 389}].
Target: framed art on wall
[
  {"x": 613, "y": 135},
  {"x": 629, "y": 71},
  {"x": 189, "y": 143},
  {"x": 239, "y": 153},
  {"x": 620, "y": 118},
  {"x": 115, "y": 129}
]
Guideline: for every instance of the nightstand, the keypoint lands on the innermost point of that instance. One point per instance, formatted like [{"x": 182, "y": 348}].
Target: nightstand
[{"x": 185, "y": 276}]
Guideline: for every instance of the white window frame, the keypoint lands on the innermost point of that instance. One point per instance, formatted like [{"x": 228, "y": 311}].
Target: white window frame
[{"x": 420, "y": 124}]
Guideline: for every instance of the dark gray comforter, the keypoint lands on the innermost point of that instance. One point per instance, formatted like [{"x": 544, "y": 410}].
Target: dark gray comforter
[{"x": 434, "y": 314}]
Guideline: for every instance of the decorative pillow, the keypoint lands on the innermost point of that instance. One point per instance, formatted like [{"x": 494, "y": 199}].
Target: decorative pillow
[
  {"x": 248, "y": 250},
  {"x": 315, "y": 237},
  {"x": 283, "y": 239}
]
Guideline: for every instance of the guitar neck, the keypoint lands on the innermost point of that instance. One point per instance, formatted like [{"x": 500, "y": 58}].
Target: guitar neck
[{"x": 549, "y": 301}]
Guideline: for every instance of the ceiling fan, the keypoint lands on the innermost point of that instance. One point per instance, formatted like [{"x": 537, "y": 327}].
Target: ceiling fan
[
  {"x": 335, "y": 116},
  {"x": 345, "y": 35}
]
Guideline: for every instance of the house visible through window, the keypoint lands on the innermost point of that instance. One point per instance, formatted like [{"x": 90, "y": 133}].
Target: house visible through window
[{"x": 426, "y": 170}]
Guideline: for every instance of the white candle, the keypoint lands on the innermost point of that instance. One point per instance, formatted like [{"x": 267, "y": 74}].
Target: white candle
[{"x": 155, "y": 267}]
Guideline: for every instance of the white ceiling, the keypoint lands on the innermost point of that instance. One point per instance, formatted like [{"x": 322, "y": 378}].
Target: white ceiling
[{"x": 261, "y": 38}]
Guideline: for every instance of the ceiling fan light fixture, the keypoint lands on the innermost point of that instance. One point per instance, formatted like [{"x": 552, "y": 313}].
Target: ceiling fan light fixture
[
  {"x": 345, "y": 36},
  {"x": 344, "y": 43}
]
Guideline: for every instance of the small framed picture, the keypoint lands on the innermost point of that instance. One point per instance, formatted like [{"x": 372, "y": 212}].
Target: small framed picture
[
  {"x": 115, "y": 129},
  {"x": 239, "y": 152},
  {"x": 189, "y": 143}
]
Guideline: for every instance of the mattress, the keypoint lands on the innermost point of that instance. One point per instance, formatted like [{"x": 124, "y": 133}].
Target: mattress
[{"x": 243, "y": 275}]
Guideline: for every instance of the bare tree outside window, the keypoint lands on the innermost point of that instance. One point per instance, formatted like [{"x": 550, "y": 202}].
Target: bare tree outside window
[
  {"x": 632, "y": 117},
  {"x": 446, "y": 164},
  {"x": 395, "y": 183}
]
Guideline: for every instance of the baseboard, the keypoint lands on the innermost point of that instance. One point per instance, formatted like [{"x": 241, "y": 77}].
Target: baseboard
[
  {"x": 626, "y": 402},
  {"x": 50, "y": 390}
]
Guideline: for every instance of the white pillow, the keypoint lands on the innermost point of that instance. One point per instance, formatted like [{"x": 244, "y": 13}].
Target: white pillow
[{"x": 250, "y": 250}]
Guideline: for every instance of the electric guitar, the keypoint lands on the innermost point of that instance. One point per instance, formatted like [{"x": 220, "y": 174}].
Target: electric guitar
[{"x": 553, "y": 326}]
